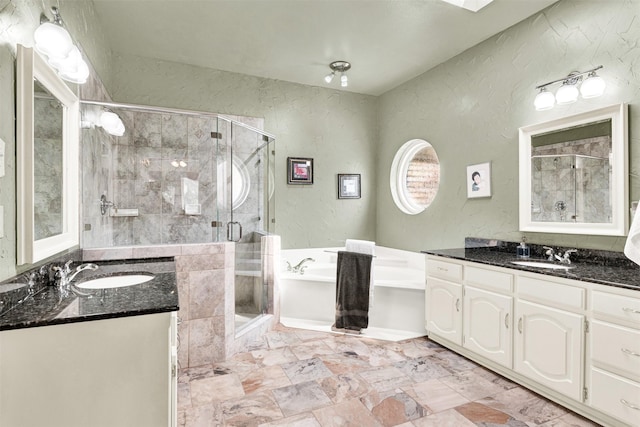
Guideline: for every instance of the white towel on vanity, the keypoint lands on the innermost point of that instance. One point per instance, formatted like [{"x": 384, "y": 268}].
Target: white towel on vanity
[
  {"x": 364, "y": 247},
  {"x": 632, "y": 245}
]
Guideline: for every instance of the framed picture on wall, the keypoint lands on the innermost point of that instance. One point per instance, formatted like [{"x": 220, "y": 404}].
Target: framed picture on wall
[
  {"x": 348, "y": 186},
  {"x": 299, "y": 170},
  {"x": 479, "y": 180}
]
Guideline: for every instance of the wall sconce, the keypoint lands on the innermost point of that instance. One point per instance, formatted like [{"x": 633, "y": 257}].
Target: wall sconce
[
  {"x": 111, "y": 123},
  {"x": 178, "y": 163},
  {"x": 593, "y": 86},
  {"x": 54, "y": 42},
  {"x": 338, "y": 67}
]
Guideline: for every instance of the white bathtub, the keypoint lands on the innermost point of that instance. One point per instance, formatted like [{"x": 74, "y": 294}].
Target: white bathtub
[{"x": 308, "y": 300}]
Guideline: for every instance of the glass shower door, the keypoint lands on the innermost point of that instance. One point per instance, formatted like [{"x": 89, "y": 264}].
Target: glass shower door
[{"x": 246, "y": 161}]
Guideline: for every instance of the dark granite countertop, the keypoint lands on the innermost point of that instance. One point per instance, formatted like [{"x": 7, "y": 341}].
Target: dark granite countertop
[
  {"x": 49, "y": 306},
  {"x": 603, "y": 267}
]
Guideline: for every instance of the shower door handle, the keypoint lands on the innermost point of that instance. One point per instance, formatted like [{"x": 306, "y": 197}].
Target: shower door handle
[{"x": 230, "y": 231}]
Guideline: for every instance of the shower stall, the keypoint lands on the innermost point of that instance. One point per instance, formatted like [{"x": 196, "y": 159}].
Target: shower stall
[{"x": 164, "y": 176}]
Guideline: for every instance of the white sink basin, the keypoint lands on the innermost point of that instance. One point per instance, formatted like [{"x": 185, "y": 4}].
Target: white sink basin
[
  {"x": 117, "y": 281},
  {"x": 540, "y": 264}
]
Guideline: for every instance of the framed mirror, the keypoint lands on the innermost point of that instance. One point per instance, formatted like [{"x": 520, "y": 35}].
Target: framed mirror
[
  {"x": 47, "y": 160},
  {"x": 573, "y": 174}
]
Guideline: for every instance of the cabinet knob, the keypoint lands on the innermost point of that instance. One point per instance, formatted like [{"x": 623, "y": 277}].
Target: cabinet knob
[
  {"x": 458, "y": 304},
  {"x": 520, "y": 325},
  {"x": 506, "y": 321}
]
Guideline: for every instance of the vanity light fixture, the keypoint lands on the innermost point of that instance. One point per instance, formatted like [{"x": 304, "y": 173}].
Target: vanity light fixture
[
  {"x": 593, "y": 86},
  {"x": 338, "y": 67},
  {"x": 111, "y": 123},
  {"x": 54, "y": 42},
  {"x": 178, "y": 163}
]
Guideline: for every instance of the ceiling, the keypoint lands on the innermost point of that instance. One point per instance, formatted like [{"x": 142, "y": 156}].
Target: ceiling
[{"x": 388, "y": 42}]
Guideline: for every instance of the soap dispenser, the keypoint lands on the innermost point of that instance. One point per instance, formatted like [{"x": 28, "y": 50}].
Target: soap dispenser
[{"x": 523, "y": 249}]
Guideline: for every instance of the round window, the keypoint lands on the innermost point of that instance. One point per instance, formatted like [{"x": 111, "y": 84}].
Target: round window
[{"x": 415, "y": 176}]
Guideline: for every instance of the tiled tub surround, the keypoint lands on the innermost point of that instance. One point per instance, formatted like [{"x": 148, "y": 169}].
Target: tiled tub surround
[
  {"x": 570, "y": 335},
  {"x": 205, "y": 277}
]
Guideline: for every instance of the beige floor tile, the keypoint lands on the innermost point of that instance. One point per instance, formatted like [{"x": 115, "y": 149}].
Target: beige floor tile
[
  {"x": 215, "y": 389},
  {"x": 267, "y": 378},
  {"x": 252, "y": 410},
  {"x": 436, "y": 395},
  {"x": 448, "y": 418},
  {"x": 351, "y": 413},
  {"x": 303, "y": 397},
  {"x": 301, "y": 420}
]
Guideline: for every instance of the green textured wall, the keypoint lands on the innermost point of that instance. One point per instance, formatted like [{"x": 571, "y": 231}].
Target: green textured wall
[{"x": 470, "y": 108}]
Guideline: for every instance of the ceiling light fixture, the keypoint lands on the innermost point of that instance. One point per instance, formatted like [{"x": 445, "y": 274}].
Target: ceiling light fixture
[
  {"x": 54, "y": 42},
  {"x": 593, "y": 86},
  {"x": 472, "y": 5},
  {"x": 338, "y": 67}
]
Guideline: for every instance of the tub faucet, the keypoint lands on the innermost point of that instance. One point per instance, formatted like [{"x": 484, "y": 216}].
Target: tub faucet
[{"x": 299, "y": 268}]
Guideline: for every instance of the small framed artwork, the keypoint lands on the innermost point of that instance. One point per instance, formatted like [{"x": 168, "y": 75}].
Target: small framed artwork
[
  {"x": 299, "y": 170},
  {"x": 479, "y": 180},
  {"x": 348, "y": 186}
]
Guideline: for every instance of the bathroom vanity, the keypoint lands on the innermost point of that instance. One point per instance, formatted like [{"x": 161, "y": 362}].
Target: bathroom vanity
[
  {"x": 572, "y": 335},
  {"x": 104, "y": 357}
]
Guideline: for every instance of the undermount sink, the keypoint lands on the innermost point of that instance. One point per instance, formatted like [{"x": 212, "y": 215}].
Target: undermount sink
[
  {"x": 116, "y": 281},
  {"x": 541, "y": 264}
]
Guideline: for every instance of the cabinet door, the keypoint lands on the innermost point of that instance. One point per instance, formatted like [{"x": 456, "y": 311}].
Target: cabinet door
[
  {"x": 548, "y": 347},
  {"x": 487, "y": 324},
  {"x": 444, "y": 314}
]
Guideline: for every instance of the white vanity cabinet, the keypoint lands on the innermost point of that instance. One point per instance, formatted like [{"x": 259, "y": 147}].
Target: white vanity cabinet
[
  {"x": 574, "y": 342},
  {"x": 110, "y": 372},
  {"x": 614, "y": 354},
  {"x": 550, "y": 332},
  {"x": 487, "y": 314},
  {"x": 444, "y": 300}
]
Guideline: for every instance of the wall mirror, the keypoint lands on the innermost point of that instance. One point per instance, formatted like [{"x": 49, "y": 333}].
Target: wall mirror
[
  {"x": 573, "y": 174},
  {"x": 47, "y": 161}
]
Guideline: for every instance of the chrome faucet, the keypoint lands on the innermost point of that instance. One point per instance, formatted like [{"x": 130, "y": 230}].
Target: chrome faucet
[
  {"x": 65, "y": 275},
  {"x": 566, "y": 257},
  {"x": 551, "y": 253},
  {"x": 299, "y": 268}
]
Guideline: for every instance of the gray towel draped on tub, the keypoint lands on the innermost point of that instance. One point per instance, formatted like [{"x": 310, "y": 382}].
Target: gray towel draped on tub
[{"x": 352, "y": 291}]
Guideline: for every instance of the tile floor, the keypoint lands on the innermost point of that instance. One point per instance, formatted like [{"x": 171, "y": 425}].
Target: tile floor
[{"x": 301, "y": 378}]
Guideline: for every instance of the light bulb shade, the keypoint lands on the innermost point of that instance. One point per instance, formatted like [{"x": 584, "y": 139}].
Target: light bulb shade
[
  {"x": 544, "y": 100},
  {"x": 344, "y": 80},
  {"x": 593, "y": 86},
  {"x": 73, "y": 68},
  {"x": 566, "y": 94},
  {"x": 111, "y": 123},
  {"x": 329, "y": 77},
  {"x": 52, "y": 40}
]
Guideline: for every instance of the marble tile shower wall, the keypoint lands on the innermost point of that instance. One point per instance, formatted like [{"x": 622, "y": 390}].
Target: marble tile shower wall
[
  {"x": 48, "y": 171},
  {"x": 579, "y": 182},
  {"x": 137, "y": 173}
]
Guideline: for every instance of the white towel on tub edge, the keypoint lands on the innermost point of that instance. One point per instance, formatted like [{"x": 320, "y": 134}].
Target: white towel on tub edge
[{"x": 632, "y": 245}]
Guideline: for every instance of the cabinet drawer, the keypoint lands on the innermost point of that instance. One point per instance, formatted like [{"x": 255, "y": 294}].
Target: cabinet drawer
[
  {"x": 556, "y": 294},
  {"x": 616, "y": 346},
  {"x": 617, "y": 306},
  {"x": 489, "y": 279},
  {"x": 444, "y": 270},
  {"x": 616, "y": 396}
]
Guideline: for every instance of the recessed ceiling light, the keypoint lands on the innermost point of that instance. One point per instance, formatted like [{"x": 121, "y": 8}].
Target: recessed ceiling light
[{"x": 472, "y": 5}]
